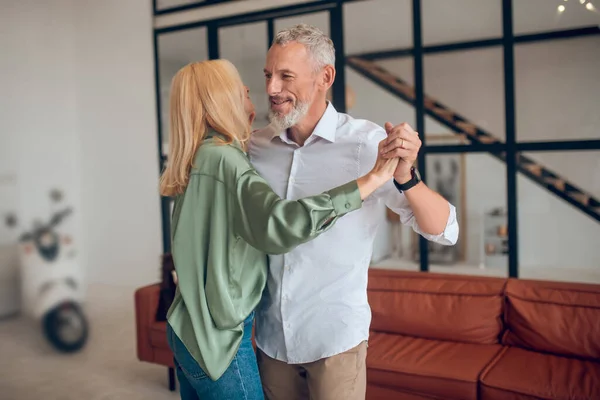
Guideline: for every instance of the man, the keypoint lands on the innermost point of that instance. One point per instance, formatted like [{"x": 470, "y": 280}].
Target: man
[{"x": 313, "y": 322}]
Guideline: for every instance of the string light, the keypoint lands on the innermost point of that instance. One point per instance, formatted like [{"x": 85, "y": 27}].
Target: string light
[{"x": 589, "y": 6}]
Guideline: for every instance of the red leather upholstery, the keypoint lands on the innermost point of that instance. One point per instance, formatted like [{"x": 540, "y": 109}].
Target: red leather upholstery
[{"x": 438, "y": 336}]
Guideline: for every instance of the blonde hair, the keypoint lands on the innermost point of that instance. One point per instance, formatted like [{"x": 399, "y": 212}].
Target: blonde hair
[{"x": 204, "y": 95}]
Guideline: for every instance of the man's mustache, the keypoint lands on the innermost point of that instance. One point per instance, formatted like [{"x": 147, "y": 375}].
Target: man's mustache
[{"x": 279, "y": 99}]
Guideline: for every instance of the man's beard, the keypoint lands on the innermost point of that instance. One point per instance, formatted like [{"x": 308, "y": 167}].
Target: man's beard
[{"x": 282, "y": 122}]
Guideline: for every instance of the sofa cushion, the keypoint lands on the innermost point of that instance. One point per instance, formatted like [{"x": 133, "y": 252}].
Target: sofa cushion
[
  {"x": 554, "y": 317},
  {"x": 158, "y": 335},
  {"x": 437, "y": 306},
  {"x": 523, "y": 374},
  {"x": 375, "y": 392},
  {"x": 427, "y": 367}
]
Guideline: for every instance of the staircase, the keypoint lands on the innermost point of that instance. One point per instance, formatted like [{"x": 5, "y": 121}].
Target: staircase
[{"x": 468, "y": 130}]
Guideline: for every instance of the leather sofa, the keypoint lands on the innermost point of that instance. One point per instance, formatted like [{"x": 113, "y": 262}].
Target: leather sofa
[
  {"x": 438, "y": 336},
  {"x": 455, "y": 337},
  {"x": 151, "y": 334}
]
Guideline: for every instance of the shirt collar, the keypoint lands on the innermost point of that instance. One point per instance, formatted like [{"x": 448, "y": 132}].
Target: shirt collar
[
  {"x": 326, "y": 127},
  {"x": 212, "y": 133}
]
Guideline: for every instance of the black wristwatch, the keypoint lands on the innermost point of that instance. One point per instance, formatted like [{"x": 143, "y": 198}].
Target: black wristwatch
[{"x": 415, "y": 178}]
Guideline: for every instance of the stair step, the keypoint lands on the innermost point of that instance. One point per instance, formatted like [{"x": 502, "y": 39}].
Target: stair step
[
  {"x": 443, "y": 113},
  {"x": 467, "y": 127},
  {"x": 557, "y": 183},
  {"x": 486, "y": 139},
  {"x": 430, "y": 103},
  {"x": 534, "y": 169},
  {"x": 391, "y": 80},
  {"x": 580, "y": 197}
]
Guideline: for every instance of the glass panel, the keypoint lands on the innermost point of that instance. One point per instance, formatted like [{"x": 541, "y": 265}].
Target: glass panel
[
  {"x": 475, "y": 185},
  {"x": 460, "y": 20},
  {"x": 176, "y": 50},
  {"x": 557, "y": 240},
  {"x": 246, "y": 47},
  {"x": 319, "y": 20},
  {"x": 534, "y": 16},
  {"x": 558, "y": 90},
  {"x": 367, "y": 99},
  {"x": 164, "y": 4},
  {"x": 393, "y": 19},
  {"x": 470, "y": 84}
]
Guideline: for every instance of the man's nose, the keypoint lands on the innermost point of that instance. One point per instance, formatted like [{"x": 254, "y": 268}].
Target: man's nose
[{"x": 273, "y": 86}]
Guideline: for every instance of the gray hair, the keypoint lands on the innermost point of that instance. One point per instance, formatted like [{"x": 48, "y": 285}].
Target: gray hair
[{"x": 319, "y": 46}]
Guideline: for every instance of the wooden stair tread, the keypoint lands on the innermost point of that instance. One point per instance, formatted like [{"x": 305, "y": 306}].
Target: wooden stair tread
[
  {"x": 560, "y": 184},
  {"x": 533, "y": 168},
  {"x": 486, "y": 139},
  {"x": 583, "y": 198},
  {"x": 467, "y": 127},
  {"x": 443, "y": 113},
  {"x": 429, "y": 103}
]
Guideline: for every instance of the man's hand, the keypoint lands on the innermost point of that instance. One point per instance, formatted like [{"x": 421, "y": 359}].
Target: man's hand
[{"x": 402, "y": 142}]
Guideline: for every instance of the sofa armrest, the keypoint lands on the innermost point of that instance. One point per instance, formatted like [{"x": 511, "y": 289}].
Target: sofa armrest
[{"x": 146, "y": 303}]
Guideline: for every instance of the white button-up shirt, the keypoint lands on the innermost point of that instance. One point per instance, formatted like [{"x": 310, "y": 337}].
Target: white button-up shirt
[{"x": 315, "y": 303}]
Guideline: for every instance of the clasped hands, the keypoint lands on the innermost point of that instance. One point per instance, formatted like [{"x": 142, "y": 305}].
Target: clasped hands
[{"x": 398, "y": 152}]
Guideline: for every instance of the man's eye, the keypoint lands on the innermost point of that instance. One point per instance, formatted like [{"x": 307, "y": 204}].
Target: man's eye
[{"x": 287, "y": 77}]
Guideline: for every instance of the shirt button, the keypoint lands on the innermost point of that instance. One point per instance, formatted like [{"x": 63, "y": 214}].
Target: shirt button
[
  {"x": 348, "y": 206},
  {"x": 292, "y": 180}
]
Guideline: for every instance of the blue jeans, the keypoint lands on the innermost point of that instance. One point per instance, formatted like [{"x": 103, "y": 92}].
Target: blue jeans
[{"x": 241, "y": 381}]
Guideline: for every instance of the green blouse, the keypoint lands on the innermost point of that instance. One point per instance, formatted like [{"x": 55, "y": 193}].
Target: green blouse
[{"x": 223, "y": 224}]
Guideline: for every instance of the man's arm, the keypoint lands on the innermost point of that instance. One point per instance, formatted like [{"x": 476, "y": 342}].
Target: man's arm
[
  {"x": 427, "y": 212},
  {"x": 431, "y": 210}
]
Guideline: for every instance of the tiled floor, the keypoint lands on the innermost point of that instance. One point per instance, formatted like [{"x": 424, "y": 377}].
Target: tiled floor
[{"x": 106, "y": 369}]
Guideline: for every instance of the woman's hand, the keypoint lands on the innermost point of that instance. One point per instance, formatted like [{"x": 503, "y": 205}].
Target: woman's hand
[{"x": 382, "y": 172}]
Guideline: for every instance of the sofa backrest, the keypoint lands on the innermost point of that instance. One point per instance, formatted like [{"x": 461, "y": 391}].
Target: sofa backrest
[
  {"x": 553, "y": 317},
  {"x": 437, "y": 306}
]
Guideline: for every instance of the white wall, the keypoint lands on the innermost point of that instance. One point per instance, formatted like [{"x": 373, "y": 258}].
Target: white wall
[
  {"x": 38, "y": 124},
  {"x": 117, "y": 127},
  {"x": 78, "y": 113}
]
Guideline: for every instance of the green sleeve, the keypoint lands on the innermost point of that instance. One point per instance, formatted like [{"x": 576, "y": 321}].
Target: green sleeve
[{"x": 276, "y": 226}]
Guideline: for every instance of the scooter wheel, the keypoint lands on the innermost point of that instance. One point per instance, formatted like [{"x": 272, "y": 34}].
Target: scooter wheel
[{"x": 66, "y": 327}]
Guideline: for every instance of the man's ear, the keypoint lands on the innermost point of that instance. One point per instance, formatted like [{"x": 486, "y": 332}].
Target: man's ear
[{"x": 328, "y": 76}]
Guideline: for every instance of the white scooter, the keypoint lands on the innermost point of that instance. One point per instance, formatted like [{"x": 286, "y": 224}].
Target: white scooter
[{"x": 51, "y": 282}]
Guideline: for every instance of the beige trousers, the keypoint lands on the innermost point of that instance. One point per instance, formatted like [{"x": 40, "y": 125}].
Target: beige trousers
[{"x": 343, "y": 376}]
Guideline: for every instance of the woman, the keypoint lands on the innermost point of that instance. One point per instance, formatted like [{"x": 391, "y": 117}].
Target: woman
[{"x": 225, "y": 219}]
